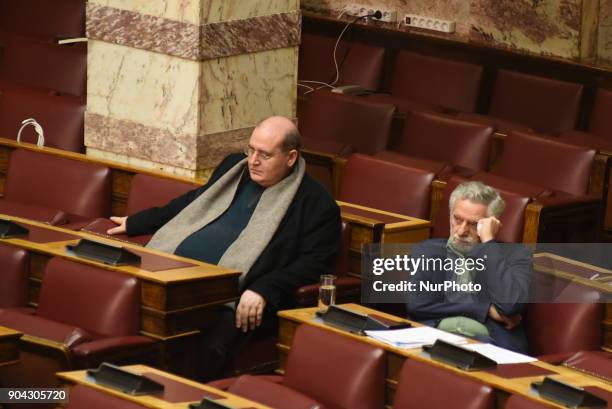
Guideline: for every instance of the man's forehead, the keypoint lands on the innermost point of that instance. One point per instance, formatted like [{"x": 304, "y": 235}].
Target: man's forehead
[
  {"x": 265, "y": 139},
  {"x": 469, "y": 210}
]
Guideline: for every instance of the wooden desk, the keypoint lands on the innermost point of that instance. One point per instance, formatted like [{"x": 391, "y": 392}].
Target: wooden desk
[
  {"x": 175, "y": 303},
  {"x": 149, "y": 401},
  {"x": 376, "y": 226},
  {"x": 291, "y": 319},
  {"x": 9, "y": 351}
]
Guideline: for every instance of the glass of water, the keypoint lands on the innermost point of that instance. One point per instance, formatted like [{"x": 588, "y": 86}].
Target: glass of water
[{"x": 327, "y": 292}]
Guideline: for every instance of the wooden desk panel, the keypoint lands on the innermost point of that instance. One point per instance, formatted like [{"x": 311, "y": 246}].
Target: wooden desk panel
[
  {"x": 81, "y": 378},
  {"x": 289, "y": 321},
  {"x": 376, "y": 226},
  {"x": 175, "y": 304},
  {"x": 9, "y": 351}
]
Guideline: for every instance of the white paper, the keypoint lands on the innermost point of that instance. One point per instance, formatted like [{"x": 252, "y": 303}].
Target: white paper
[
  {"x": 415, "y": 337},
  {"x": 500, "y": 355}
]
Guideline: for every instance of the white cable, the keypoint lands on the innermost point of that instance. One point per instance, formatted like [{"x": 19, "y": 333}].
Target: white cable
[
  {"x": 306, "y": 86},
  {"x": 334, "y": 54},
  {"x": 40, "y": 142}
]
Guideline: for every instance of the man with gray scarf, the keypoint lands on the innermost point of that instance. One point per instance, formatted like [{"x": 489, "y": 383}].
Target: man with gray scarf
[{"x": 260, "y": 214}]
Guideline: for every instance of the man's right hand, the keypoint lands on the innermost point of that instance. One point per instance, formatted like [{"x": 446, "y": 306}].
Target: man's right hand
[
  {"x": 120, "y": 222},
  {"x": 508, "y": 321}
]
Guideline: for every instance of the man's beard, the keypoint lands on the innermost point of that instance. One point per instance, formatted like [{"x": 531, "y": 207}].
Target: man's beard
[{"x": 463, "y": 245}]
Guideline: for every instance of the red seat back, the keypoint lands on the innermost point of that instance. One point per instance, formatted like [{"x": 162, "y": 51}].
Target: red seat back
[
  {"x": 61, "y": 117},
  {"x": 363, "y": 125},
  {"x": 355, "y": 378},
  {"x": 14, "y": 269},
  {"x": 65, "y": 18},
  {"x": 436, "y": 81},
  {"x": 271, "y": 394},
  {"x": 545, "y": 162},
  {"x": 543, "y": 104},
  {"x": 388, "y": 186},
  {"x": 601, "y": 120},
  {"x": 64, "y": 69},
  {"x": 359, "y": 64},
  {"x": 102, "y": 302},
  {"x": 446, "y": 139},
  {"x": 75, "y": 187},
  {"x": 424, "y": 385},
  {"x": 563, "y": 327},
  {"x": 150, "y": 191}
]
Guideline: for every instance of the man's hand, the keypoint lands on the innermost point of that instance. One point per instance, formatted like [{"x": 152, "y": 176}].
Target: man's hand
[
  {"x": 487, "y": 228},
  {"x": 249, "y": 312},
  {"x": 508, "y": 321},
  {"x": 120, "y": 222}
]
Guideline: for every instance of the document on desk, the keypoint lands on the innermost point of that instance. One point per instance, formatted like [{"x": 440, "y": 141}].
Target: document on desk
[
  {"x": 415, "y": 337},
  {"x": 500, "y": 355}
]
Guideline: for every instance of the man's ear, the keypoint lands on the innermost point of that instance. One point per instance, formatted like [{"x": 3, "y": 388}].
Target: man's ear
[{"x": 293, "y": 155}]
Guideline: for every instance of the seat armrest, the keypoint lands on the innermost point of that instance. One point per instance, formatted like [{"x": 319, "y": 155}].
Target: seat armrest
[
  {"x": 109, "y": 349},
  {"x": 225, "y": 383}
]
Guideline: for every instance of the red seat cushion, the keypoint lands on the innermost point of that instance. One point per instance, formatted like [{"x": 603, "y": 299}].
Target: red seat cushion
[
  {"x": 271, "y": 394},
  {"x": 41, "y": 327}
]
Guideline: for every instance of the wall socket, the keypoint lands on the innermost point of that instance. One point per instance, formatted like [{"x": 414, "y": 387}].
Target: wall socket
[
  {"x": 429, "y": 23},
  {"x": 358, "y": 10}
]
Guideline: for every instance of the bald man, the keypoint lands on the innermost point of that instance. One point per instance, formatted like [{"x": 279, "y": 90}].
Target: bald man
[{"x": 260, "y": 214}]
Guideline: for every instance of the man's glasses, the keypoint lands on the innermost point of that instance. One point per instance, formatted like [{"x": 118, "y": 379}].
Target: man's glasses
[{"x": 248, "y": 151}]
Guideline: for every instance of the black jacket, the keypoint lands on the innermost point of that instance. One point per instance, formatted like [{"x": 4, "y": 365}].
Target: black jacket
[{"x": 304, "y": 246}]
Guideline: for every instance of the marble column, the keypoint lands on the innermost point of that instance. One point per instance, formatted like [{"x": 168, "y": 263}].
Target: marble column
[{"x": 177, "y": 84}]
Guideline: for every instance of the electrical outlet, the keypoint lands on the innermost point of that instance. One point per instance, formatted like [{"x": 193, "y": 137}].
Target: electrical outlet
[
  {"x": 359, "y": 10},
  {"x": 429, "y": 23}
]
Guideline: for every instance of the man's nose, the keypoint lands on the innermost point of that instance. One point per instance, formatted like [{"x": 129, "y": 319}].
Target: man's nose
[{"x": 463, "y": 228}]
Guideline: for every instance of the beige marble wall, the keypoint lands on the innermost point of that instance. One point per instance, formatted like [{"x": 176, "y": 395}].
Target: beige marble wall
[
  {"x": 604, "y": 41},
  {"x": 548, "y": 27},
  {"x": 178, "y": 84}
]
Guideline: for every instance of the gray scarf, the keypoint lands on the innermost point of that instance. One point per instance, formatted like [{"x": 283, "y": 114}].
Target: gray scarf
[{"x": 246, "y": 249}]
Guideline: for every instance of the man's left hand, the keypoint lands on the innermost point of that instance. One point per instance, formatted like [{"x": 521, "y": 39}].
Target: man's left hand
[{"x": 249, "y": 312}]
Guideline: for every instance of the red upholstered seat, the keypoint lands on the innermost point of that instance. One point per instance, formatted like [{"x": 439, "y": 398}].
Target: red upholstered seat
[
  {"x": 84, "y": 397},
  {"x": 61, "y": 117},
  {"x": 91, "y": 313},
  {"x": 272, "y": 394},
  {"x": 521, "y": 402},
  {"x": 543, "y": 104},
  {"x": 145, "y": 191},
  {"x": 569, "y": 322},
  {"x": 353, "y": 121},
  {"x": 446, "y": 139},
  {"x": 360, "y": 64},
  {"x": 14, "y": 269},
  {"x": 534, "y": 159},
  {"x": 513, "y": 218},
  {"x": 435, "y": 81},
  {"x": 423, "y": 385},
  {"x": 382, "y": 185},
  {"x": 33, "y": 62},
  {"x": 55, "y": 190},
  {"x": 57, "y": 18},
  {"x": 354, "y": 379},
  {"x": 601, "y": 120}
]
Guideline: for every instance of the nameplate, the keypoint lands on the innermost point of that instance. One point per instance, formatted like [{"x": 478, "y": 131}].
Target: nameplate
[
  {"x": 104, "y": 253},
  {"x": 568, "y": 395},
  {"x": 459, "y": 357},
  {"x": 9, "y": 229},
  {"x": 128, "y": 382},
  {"x": 355, "y": 322}
]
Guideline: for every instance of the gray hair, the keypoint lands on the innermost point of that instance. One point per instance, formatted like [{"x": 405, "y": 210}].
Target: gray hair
[
  {"x": 292, "y": 141},
  {"x": 478, "y": 192}
]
